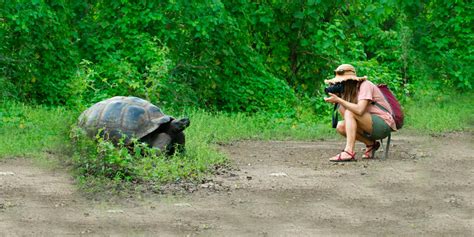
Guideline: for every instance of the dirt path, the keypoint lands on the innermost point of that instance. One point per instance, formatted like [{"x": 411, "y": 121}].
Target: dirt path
[{"x": 426, "y": 187}]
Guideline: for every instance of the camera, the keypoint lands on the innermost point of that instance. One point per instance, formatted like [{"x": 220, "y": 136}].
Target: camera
[{"x": 337, "y": 88}]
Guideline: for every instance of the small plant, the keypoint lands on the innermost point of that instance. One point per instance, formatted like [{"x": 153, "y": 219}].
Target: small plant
[
  {"x": 99, "y": 157},
  {"x": 96, "y": 159}
]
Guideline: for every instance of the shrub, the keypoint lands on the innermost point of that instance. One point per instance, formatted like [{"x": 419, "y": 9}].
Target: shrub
[
  {"x": 253, "y": 94},
  {"x": 145, "y": 74},
  {"x": 38, "y": 49},
  {"x": 381, "y": 74}
]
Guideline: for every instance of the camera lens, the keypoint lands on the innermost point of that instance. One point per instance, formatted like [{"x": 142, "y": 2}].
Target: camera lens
[{"x": 336, "y": 88}]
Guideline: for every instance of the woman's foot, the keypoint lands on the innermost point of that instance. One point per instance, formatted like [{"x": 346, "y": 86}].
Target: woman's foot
[
  {"x": 370, "y": 150},
  {"x": 343, "y": 156}
]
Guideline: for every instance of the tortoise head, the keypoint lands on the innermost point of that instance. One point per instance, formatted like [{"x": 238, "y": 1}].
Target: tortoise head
[{"x": 178, "y": 125}]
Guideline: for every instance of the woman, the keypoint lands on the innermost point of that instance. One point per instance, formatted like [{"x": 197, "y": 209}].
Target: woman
[{"x": 363, "y": 120}]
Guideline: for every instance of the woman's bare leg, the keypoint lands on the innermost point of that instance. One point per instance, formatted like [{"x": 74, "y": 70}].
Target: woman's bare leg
[
  {"x": 352, "y": 127},
  {"x": 341, "y": 129}
]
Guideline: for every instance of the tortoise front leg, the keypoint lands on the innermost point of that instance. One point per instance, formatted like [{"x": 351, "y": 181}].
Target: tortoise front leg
[
  {"x": 162, "y": 142},
  {"x": 178, "y": 143}
]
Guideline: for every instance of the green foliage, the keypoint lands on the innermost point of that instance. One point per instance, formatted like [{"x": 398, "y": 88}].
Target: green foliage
[
  {"x": 121, "y": 57},
  {"x": 7, "y": 90},
  {"x": 300, "y": 41},
  {"x": 235, "y": 56},
  {"x": 38, "y": 54},
  {"x": 252, "y": 95},
  {"x": 381, "y": 74},
  {"x": 442, "y": 35},
  {"x": 115, "y": 76}
]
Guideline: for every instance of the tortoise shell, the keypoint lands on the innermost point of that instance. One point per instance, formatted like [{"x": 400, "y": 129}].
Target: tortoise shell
[{"x": 122, "y": 116}]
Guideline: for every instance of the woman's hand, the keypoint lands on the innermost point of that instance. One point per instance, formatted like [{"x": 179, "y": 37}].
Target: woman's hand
[{"x": 332, "y": 98}]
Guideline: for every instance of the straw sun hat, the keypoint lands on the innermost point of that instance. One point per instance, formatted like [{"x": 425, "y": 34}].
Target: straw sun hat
[{"x": 343, "y": 73}]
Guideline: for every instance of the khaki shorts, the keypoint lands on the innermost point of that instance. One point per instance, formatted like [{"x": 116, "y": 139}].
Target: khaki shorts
[{"x": 380, "y": 129}]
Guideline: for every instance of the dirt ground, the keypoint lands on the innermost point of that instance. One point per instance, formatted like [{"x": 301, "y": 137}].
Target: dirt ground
[{"x": 278, "y": 188}]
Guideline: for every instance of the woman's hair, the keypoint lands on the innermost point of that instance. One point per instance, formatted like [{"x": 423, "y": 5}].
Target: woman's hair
[{"x": 351, "y": 89}]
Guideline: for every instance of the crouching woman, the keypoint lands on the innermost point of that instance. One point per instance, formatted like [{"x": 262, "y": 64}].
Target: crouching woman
[{"x": 363, "y": 120}]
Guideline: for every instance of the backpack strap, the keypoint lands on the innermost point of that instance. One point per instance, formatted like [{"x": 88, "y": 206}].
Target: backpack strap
[
  {"x": 334, "y": 115},
  {"x": 381, "y": 107}
]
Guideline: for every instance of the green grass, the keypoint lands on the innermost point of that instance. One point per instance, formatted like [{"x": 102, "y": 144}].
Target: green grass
[
  {"x": 43, "y": 132},
  {"x": 439, "y": 113},
  {"x": 221, "y": 127},
  {"x": 32, "y": 131}
]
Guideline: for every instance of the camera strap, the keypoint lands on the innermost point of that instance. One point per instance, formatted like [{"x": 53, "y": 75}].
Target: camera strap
[{"x": 334, "y": 115}]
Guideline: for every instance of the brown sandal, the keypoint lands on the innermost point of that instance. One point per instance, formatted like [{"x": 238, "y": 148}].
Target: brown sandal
[
  {"x": 370, "y": 150},
  {"x": 339, "y": 159}
]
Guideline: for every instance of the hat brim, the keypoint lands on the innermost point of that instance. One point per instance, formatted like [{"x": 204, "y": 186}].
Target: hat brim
[{"x": 342, "y": 78}]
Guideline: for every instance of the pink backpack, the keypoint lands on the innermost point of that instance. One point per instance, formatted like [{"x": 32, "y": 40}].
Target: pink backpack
[{"x": 394, "y": 104}]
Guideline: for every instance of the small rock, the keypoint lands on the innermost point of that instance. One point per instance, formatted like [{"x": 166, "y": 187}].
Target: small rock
[
  {"x": 279, "y": 174},
  {"x": 6, "y": 173},
  {"x": 87, "y": 231},
  {"x": 207, "y": 185},
  {"x": 206, "y": 227},
  {"x": 6, "y": 205},
  {"x": 115, "y": 211},
  {"x": 182, "y": 204}
]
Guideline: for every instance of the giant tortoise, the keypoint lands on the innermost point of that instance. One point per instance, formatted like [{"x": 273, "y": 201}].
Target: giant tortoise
[{"x": 124, "y": 118}]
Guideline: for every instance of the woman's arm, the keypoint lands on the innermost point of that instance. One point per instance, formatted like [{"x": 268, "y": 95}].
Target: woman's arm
[{"x": 358, "y": 109}]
